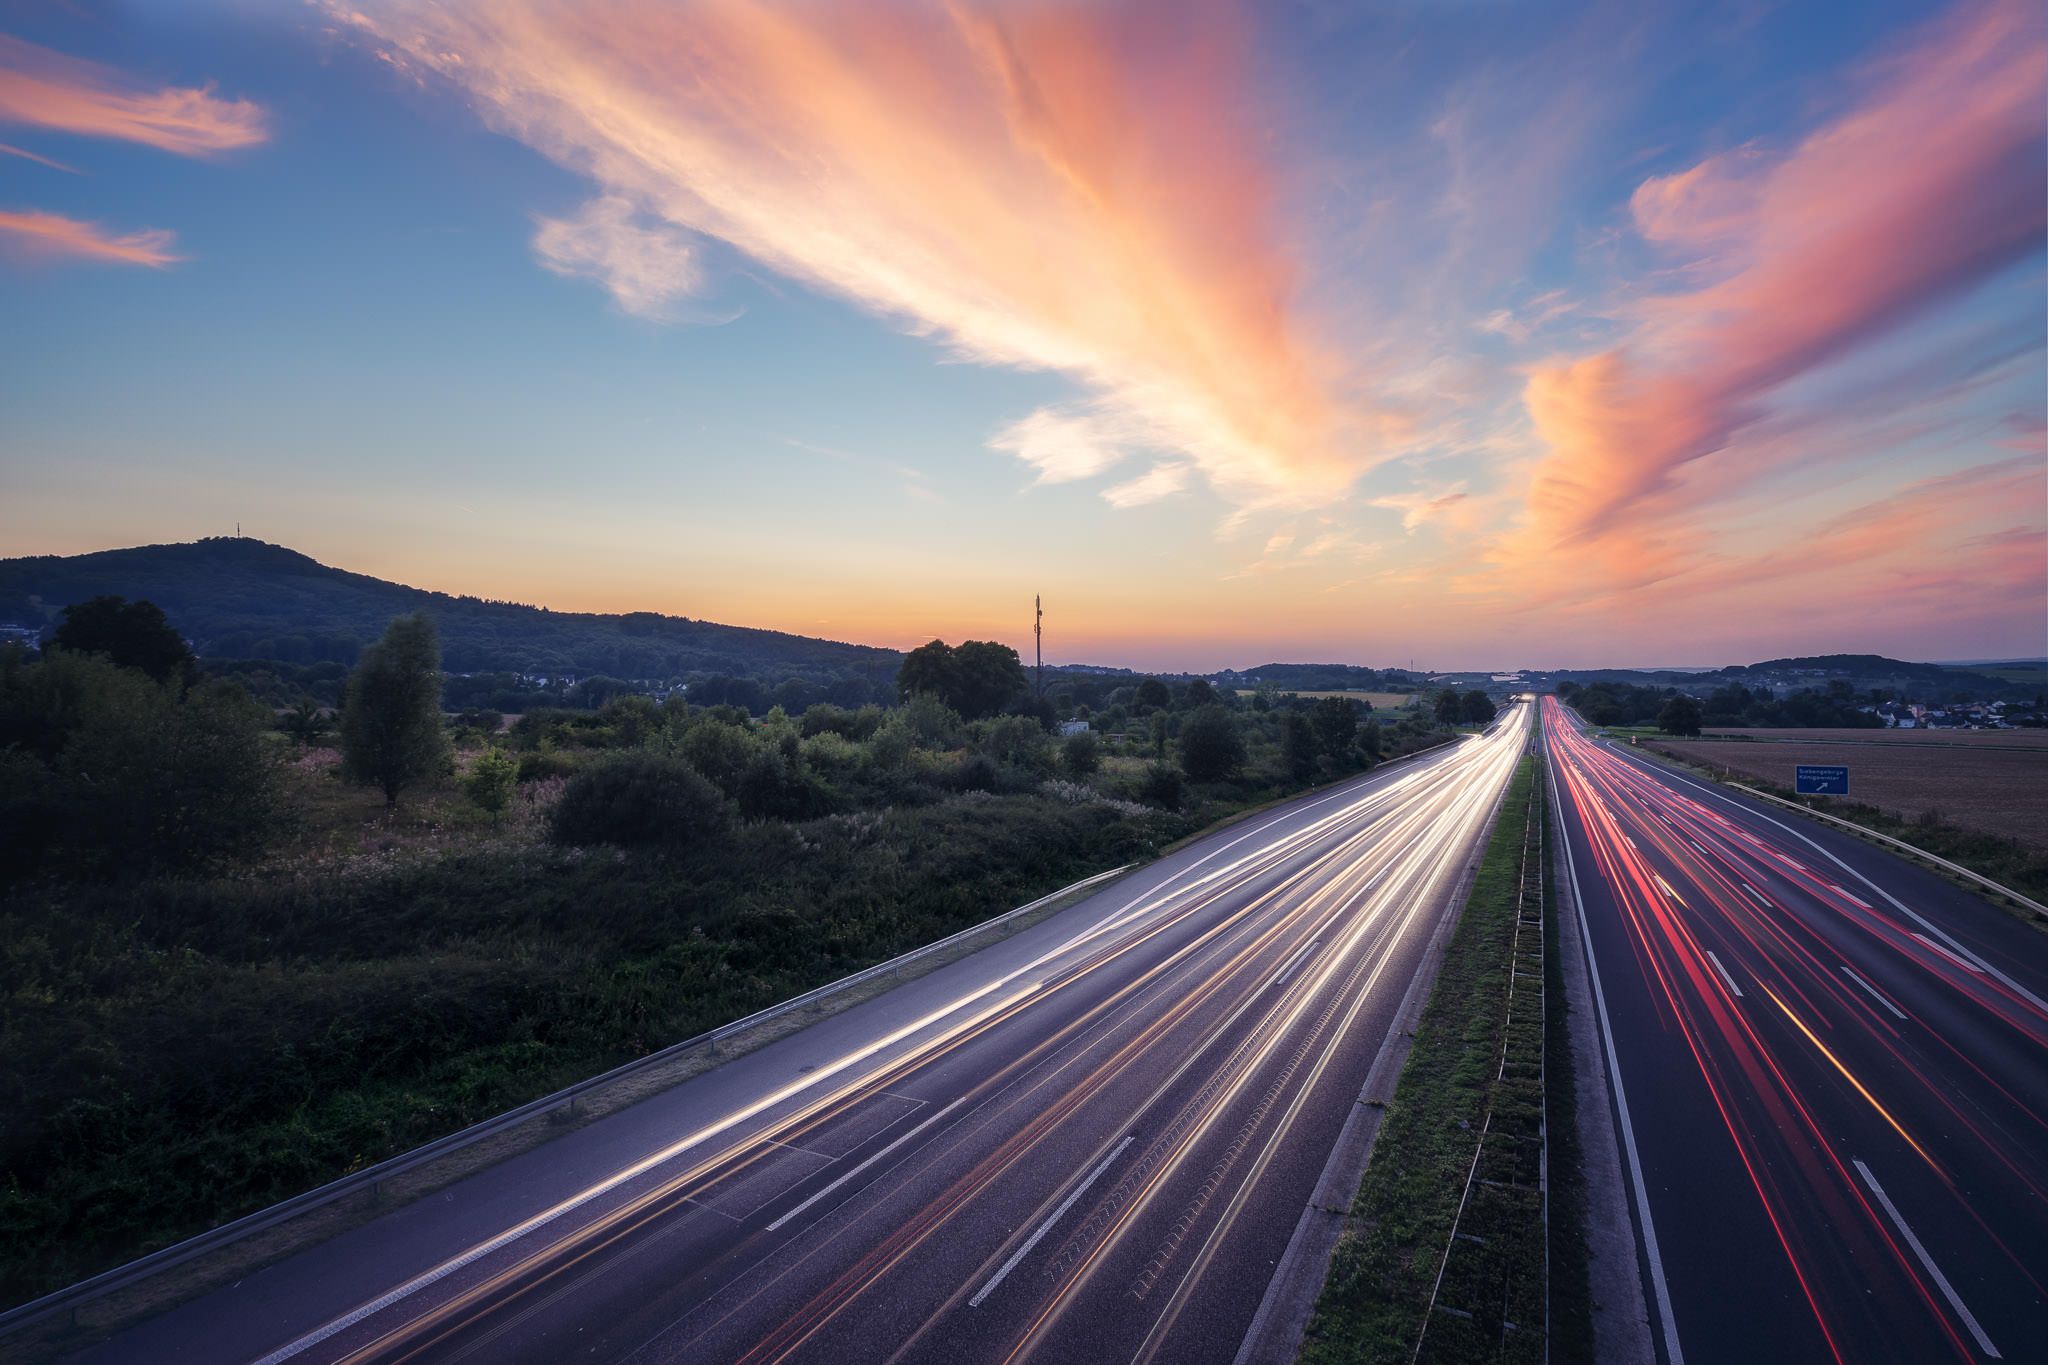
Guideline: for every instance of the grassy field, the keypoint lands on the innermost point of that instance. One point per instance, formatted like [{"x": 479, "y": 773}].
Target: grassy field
[
  {"x": 1997, "y": 791},
  {"x": 1379, "y": 701},
  {"x": 1374, "y": 1304},
  {"x": 1964, "y": 739}
]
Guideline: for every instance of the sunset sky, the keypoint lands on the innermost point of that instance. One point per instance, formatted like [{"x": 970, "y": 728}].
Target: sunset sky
[{"x": 1469, "y": 333}]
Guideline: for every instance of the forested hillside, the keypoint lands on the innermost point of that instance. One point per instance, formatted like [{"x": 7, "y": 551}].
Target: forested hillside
[{"x": 239, "y": 598}]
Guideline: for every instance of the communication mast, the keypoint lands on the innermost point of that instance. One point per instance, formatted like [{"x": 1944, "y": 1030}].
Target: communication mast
[{"x": 1038, "y": 640}]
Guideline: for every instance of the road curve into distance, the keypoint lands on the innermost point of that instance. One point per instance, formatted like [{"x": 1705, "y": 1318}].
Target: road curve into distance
[
  {"x": 1833, "y": 1075},
  {"x": 1089, "y": 1142}
]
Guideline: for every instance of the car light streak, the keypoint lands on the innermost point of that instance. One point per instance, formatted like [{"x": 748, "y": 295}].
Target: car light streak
[{"x": 1689, "y": 887}]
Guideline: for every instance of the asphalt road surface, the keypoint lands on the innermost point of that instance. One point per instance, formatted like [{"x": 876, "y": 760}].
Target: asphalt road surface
[
  {"x": 1833, "y": 1072},
  {"x": 1089, "y": 1142}
]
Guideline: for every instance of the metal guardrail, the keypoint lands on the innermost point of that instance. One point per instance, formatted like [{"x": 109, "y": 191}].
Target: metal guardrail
[
  {"x": 370, "y": 1177},
  {"x": 1944, "y": 864}
]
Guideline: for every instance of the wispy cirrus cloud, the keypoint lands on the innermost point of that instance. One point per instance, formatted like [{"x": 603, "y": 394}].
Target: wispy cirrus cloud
[
  {"x": 32, "y": 234},
  {"x": 1928, "y": 183},
  {"x": 646, "y": 266},
  {"x": 45, "y": 89},
  {"x": 1077, "y": 189}
]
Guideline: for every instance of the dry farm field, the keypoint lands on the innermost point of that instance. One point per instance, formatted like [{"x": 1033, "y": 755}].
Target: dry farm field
[
  {"x": 1994, "y": 781},
  {"x": 1379, "y": 701}
]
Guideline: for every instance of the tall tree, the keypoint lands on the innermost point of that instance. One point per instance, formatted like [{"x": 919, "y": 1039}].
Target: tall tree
[
  {"x": 1450, "y": 706},
  {"x": 977, "y": 679},
  {"x": 1297, "y": 746},
  {"x": 132, "y": 634},
  {"x": 1680, "y": 716},
  {"x": 1336, "y": 724},
  {"x": 1478, "y": 708},
  {"x": 1152, "y": 693},
  {"x": 1211, "y": 745},
  {"x": 391, "y": 714}
]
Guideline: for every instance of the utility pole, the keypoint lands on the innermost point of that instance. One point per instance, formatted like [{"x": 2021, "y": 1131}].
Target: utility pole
[{"x": 1038, "y": 638}]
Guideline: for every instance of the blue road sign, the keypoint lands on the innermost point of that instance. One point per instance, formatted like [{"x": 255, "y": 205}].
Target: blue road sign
[{"x": 1821, "y": 779}]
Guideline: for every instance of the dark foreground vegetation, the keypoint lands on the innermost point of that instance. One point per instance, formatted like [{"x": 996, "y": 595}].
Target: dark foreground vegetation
[
  {"x": 244, "y": 950},
  {"x": 1376, "y": 1304}
]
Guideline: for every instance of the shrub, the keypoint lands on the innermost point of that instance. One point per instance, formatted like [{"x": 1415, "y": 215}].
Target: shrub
[
  {"x": 1080, "y": 755},
  {"x": 1163, "y": 786},
  {"x": 775, "y": 787},
  {"x": 491, "y": 779},
  {"x": 977, "y": 773},
  {"x": 1017, "y": 742},
  {"x": 639, "y": 799},
  {"x": 546, "y": 762}
]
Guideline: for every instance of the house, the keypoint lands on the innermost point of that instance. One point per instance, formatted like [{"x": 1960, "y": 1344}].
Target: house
[{"x": 1073, "y": 727}]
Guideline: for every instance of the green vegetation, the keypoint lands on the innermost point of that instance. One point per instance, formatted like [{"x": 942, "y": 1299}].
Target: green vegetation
[
  {"x": 231, "y": 973},
  {"x": 1382, "y": 1277},
  {"x": 391, "y": 714}
]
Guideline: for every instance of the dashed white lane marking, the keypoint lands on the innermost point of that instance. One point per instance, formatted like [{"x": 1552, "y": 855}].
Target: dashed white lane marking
[
  {"x": 1955, "y": 1300},
  {"x": 776, "y": 1226},
  {"x": 1667, "y": 889},
  {"x": 1851, "y": 897},
  {"x": 1873, "y": 992},
  {"x": 1021, "y": 1252},
  {"x": 1724, "y": 974}
]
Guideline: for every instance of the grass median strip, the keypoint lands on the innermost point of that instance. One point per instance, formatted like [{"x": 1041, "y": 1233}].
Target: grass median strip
[{"x": 1446, "y": 1242}]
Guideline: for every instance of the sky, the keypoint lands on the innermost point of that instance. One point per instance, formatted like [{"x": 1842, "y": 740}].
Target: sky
[{"x": 1444, "y": 333}]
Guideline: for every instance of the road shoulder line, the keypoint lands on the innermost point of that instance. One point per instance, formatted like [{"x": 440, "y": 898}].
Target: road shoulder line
[{"x": 1617, "y": 1283}]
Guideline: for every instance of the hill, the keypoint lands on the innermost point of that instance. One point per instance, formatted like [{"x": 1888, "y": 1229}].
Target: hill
[{"x": 240, "y": 598}]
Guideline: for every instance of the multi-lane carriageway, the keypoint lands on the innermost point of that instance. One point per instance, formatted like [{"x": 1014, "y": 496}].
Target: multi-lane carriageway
[
  {"x": 1833, "y": 1076},
  {"x": 1092, "y": 1141}
]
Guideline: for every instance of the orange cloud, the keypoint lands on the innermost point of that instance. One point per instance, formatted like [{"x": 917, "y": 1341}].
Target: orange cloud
[
  {"x": 47, "y": 89},
  {"x": 1930, "y": 183},
  {"x": 1075, "y": 188},
  {"x": 36, "y": 235}
]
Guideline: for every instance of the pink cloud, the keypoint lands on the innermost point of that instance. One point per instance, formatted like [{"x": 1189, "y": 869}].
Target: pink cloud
[
  {"x": 1073, "y": 188},
  {"x": 36, "y": 235},
  {"x": 1932, "y": 181},
  {"x": 46, "y": 89}
]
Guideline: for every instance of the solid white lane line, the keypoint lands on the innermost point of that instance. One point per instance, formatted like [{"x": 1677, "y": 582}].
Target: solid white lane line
[
  {"x": 1660, "y": 1291},
  {"x": 1955, "y": 1300},
  {"x": 1873, "y": 992},
  {"x": 1723, "y": 797},
  {"x": 1724, "y": 974},
  {"x": 1968, "y": 964},
  {"x": 1756, "y": 895},
  {"x": 776, "y": 1226},
  {"x": 1021, "y": 1252}
]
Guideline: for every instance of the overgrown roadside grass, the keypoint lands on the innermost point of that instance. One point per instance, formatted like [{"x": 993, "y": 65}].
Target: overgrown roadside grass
[{"x": 1375, "y": 1301}]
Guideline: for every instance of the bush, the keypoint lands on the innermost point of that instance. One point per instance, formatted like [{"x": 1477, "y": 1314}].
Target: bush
[
  {"x": 115, "y": 771},
  {"x": 1080, "y": 755},
  {"x": 1017, "y": 742},
  {"x": 1163, "y": 786},
  {"x": 546, "y": 762},
  {"x": 978, "y": 773},
  {"x": 491, "y": 779},
  {"x": 775, "y": 787},
  {"x": 641, "y": 800}
]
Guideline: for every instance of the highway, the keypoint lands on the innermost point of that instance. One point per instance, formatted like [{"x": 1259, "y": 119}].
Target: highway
[
  {"x": 1832, "y": 1073},
  {"x": 1091, "y": 1141}
]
